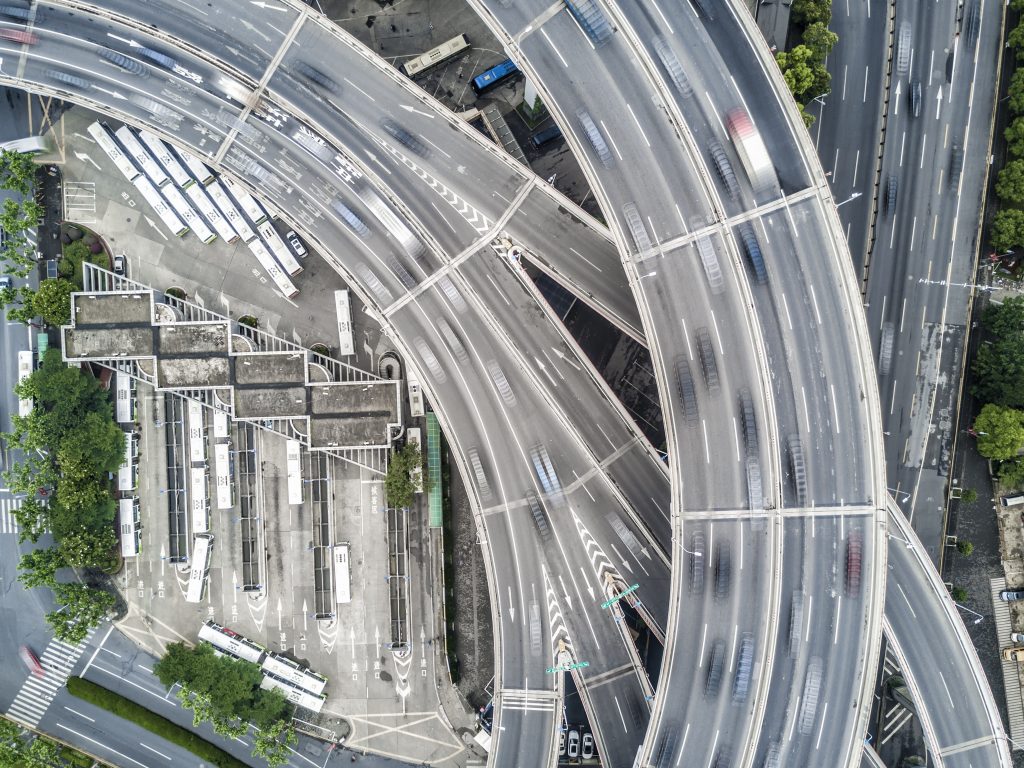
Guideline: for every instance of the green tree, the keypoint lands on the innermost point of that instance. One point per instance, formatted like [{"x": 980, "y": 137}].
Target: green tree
[
  {"x": 52, "y": 301},
  {"x": 811, "y": 11},
  {"x": 1010, "y": 182},
  {"x": 1007, "y": 229},
  {"x": 959, "y": 595},
  {"x": 1011, "y": 473},
  {"x": 1000, "y": 432},
  {"x": 398, "y": 482},
  {"x": 88, "y": 547},
  {"x": 82, "y": 609},
  {"x": 820, "y": 39},
  {"x": 999, "y": 371},
  {"x": 965, "y": 548},
  {"x": 11, "y": 745},
  {"x": 797, "y": 70},
  {"x": 1015, "y": 40},
  {"x": 1006, "y": 318},
  {"x": 1014, "y": 135},
  {"x": 17, "y": 171},
  {"x": 272, "y": 743},
  {"x": 42, "y": 754},
  {"x": 968, "y": 496},
  {"x": 38, "y": 568},
  {"x": 1015, "y": 92}
]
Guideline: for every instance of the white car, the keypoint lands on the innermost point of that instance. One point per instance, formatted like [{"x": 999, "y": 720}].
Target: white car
[
  {"x": 296, "y": 244},
  {"x": 588, "y": 746},
  {"x": 574, "y": 745}
]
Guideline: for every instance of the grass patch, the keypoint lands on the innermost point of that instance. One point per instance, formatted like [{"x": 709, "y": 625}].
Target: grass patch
[
  {"x": 74, "y": 254},
  {"x": 117, "y": 704}
]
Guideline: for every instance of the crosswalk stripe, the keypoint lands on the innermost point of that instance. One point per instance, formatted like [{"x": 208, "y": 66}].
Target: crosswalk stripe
[{"x": 36, "y": 693}]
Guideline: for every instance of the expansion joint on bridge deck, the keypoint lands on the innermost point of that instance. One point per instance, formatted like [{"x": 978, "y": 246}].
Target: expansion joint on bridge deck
[{"x": 609, "y": 676}]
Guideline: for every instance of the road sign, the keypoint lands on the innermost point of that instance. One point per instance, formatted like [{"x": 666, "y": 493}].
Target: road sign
[
  {"x": 616, "y": 599},
  {"x": 568, "y": 667}
]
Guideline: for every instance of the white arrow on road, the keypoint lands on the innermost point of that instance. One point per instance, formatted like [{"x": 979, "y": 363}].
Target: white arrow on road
[
  {"x": 86, "y": 159},
  {"x": 152, "y": 224},
  {"x": 265, "y": 6},
  {"x": 234, "y": 583},
  {"x": 132, "y": 43},
  {"x": 418, "y": 112},
  {"x": 511, "y": 610},
  {"x": 83, "y": 136},
  {"x": 544, "y": 370},
  {"x": 305, "y": 611},
  {"x": 938, "y": 103},
  {"x": 564, "y": 358},
  {"x": 896, "y": 105},
  {"x": 279, "y": 617},
  {"x": 115, "y": 94},
  {"x": 252, "y": 28}
]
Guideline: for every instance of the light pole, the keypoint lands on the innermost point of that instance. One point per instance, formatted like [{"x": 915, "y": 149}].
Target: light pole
[
  {"x": 854, "y": 196},
  {"x": 974, "y": 613},
  {"x": 900, "y": 538}
]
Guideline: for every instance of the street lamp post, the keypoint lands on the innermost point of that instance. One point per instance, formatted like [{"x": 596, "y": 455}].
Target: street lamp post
[{"x": 973, "y": 613}]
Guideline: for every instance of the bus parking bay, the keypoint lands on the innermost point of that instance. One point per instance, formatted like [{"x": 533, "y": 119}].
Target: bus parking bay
[{"x": 351, "y": 648}]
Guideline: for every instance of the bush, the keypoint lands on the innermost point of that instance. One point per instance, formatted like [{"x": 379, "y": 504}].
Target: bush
[
  {"x": 249, "y": 320},
  {"x": 959, "y": 594},
  {"x": 965, "y": 548},
  {"x": 968, "y": 496},
  {"x": 152, "y": 722},
  {"x": 176, "y": 293}
]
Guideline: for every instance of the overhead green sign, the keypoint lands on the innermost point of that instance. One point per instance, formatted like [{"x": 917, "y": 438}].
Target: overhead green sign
[
  {"x": 616, "y": 599},
  {"x": 569, "y": 667}
]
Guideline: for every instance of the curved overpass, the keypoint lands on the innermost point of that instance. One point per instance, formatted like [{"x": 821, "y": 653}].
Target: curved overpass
[{"x": 813, "y": 382}]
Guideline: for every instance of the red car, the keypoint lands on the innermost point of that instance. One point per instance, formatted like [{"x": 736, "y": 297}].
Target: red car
[
  {"x": 19, "y": 36},
  {"x": 31, "y": 661}
]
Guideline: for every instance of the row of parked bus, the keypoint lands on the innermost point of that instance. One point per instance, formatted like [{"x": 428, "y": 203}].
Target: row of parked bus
[
  {"x": 300, "y": 685},
  {"x": 188, "y": 196}
]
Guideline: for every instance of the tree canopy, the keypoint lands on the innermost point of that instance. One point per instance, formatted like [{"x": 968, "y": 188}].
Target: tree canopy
[
  {"x": 1000, "y": 432},
  {"x": 1007, "y": 229},
  {"x": 220, "y": 689},
  {"x": 1010, "y": 182},
  {"x": 999, "y": 364},
  {"x": 399, "y": 486}
]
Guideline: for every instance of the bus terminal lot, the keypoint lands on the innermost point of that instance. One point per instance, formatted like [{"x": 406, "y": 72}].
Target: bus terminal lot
[{"x": 384, "y": 700}]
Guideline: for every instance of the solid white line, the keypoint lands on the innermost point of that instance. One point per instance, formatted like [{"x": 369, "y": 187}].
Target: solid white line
[
  {"x": 96, "y": 652},
  {"x": 75, "y": 711},
  {"x": 100, "y": 744},
  {"x": 638, "y": 126}
]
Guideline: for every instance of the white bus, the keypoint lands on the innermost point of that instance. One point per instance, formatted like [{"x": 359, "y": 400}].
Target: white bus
[
  {"x": 126, "y": 472},
  {"x": 231, "y": 643},
  {"x": 293, "y": 694},
  {"x": 435, "y": 56},
  {"x": 106, "y": 142},
  {"x": 247, "y": 202},
  {"x": 293, "y": 673},
  {"x": 343, "y": 306},
  {"x": 25, "y": 404},
  {"x": 30, "y": 145},
  {"x": 124, "y": 404},
  {"x": 188, "y": 214},
  {"x": 222, "y": 463},
  {"x": 294, "y": 459},
  {"x": 196, "y": 167},
  {"x": 163, "y": 210},
  {"x": 200, "y": 567},
  {"x": 342, "y": 575},
  {"x": 196, "y": 433},
  {"x": 200, "y": 500},
  {"x": 231, "y": 213},
  {"x": 197, "y": 193},
  {"x": 284, "y": 285},
  {"x": 163, "y": 154},
  {"x": 128, "y": 519},
  {"x": 281, "y": 251},
  {"x": 220, "y": 424},
  {"x": 142, "y": 157}
]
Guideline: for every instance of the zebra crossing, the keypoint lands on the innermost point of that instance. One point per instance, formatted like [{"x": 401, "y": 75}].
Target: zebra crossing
[
  {"x": 32, "y": 701},
  {"x": 8, "y": 523}
]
